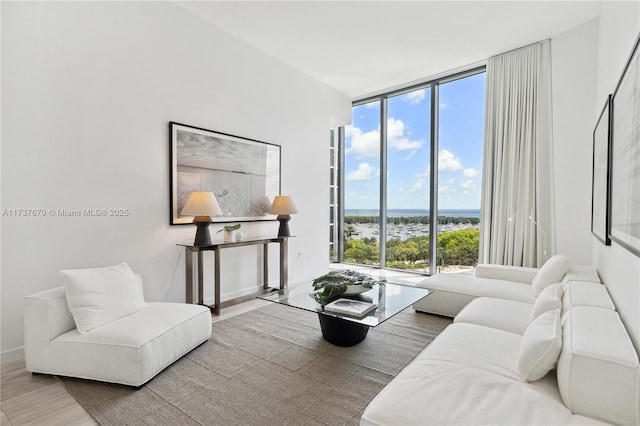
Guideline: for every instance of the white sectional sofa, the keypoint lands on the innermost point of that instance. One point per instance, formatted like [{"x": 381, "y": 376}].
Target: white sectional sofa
[
  {"x": 484, "y": 368},
  {"x": 129, "y": 348},
  {"x": 453, "y": 291}
]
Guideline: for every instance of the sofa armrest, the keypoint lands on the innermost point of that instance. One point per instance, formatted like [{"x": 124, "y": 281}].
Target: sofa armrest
[
  {"x": 47, "y": 313},
  {"x": 518, "y": 274},
  {"x": 46, "y": 316}
]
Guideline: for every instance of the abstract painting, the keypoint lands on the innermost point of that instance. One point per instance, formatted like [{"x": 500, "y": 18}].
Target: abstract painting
[
  {"x": 243, "y": 174},
  {"x": 625, "y": 161}
]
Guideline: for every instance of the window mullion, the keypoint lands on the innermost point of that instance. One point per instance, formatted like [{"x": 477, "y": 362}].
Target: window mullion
[
  {"x": 340, "y": 183},
  {"x": 433, "y": 178},
  {"x": 383, "y": 182}
]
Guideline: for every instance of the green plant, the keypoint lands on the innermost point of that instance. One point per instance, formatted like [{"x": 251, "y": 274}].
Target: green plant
[
  {"x": 230, "y": 228},
  {"x": 336, "y": 282}
]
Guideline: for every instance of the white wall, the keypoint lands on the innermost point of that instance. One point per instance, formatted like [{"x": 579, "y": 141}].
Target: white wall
[
  {"x": 619, "y": 26},
  {"x": 574, "y": 73},
  {"x": 88, "y": 90},
  {"x": 587, "y": 62}
]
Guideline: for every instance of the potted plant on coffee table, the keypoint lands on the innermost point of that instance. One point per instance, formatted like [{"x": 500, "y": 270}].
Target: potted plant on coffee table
[{"x": 340, "y": 283}]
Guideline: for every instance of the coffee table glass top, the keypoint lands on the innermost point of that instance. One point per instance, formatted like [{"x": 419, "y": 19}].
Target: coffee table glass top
[{"x": 390, "y": 299}]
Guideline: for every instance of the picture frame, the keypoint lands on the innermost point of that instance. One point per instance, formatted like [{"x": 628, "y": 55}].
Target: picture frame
[
  {"x": 624, "y": 189},
  {"x": 242, "y": 173},
  {"x": 600, "y": 175}
]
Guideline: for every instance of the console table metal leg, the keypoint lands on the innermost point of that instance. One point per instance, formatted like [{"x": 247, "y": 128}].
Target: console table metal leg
[
  {"x": 200, "y": 278},
  {"x": 199, "y": 291},
  {"x": 188, "y": 280},
  {"x": 216, "y": 281},
  {"x": 265, "y": 266},
  {"x": 284, "y": 267}
]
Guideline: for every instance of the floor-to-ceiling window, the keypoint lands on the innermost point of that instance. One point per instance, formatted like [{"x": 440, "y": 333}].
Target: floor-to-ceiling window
[
  {"x": 460, "y": 142},
  {"x": 408, "y": 182},
  {"x": 362, "y": 185},
  {"x": 412, "y": 176}
]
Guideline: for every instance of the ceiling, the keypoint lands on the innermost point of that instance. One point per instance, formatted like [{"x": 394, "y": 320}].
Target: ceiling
[{"x": 361, "y": 47}]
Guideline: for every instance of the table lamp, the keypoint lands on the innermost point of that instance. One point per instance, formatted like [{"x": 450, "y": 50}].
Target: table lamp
[
  {"x": 202, "y": 205},
  {"x": 283, "y": 206}
]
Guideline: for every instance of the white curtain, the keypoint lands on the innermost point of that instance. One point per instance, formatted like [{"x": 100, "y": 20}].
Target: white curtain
[{"x": 517, "y": 221}]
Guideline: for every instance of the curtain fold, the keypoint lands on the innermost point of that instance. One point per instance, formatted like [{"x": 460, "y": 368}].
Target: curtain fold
[{"x": 517, "y": 218}]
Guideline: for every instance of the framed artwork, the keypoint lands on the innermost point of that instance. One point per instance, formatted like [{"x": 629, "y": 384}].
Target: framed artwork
[
  {"x": 600, "y": 176},
  {"x": 624, "y": 227},
  {"x": 243, "y": 174}
]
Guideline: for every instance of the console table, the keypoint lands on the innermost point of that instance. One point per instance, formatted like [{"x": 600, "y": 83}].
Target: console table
[{"x": 190, "y": 249}]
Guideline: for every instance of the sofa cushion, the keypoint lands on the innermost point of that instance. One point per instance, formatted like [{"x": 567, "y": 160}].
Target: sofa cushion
[
  {"x": 453, "y": 291},
  {"x": 436, "y": 392},
  {"x": 466, "y": 344},
  {"x": 101, "y": 295},
  {"x": 553, "y": 271},
  {"x": 549, "y": 299},
  {"x": 540, "y": 346},
  {"x": 468, "y": 284},
  {"x": 585, "y": 293},
  {"x": 501, "y": 314},
  {"x": 519, "y": 274},
  {"x": 598, "y": 369}
]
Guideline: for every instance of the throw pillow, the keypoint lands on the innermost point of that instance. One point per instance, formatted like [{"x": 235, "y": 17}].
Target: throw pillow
[
  {"x": 553, "y": 271},
  {"x": 540, "y": 346},
  {"x": 549, "y": 299},
  {"x": 98, "y": 296}
]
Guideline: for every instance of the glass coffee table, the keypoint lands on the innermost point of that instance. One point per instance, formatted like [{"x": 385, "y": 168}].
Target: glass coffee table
[{"x": 345, "y": 330}]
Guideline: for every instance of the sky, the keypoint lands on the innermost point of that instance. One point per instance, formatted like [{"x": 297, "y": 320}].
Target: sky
[{"x": 461, "y": 133}]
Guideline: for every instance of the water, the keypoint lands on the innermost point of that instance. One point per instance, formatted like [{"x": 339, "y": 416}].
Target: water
[
  {"x": 414, "y": 212},
  {"x": 406, "y": 231}
]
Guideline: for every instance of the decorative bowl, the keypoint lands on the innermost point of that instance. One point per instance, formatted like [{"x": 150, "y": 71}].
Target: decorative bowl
[
  {"x": 356, "y": 289},
  {"x": 339, "y": 283}
]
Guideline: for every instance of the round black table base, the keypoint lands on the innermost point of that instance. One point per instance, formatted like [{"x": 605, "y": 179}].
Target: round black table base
[{"x": 342, "y": 332}]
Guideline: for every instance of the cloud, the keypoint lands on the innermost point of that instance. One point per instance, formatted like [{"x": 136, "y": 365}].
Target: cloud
[
  {"x": 468, "y": 184},
  {"x": 448, "y": 162},
  {"x": 469, "y": 173},
  {"x": 367, "y": 144},
  {"x": 426, "y": 174},
  {"x": 417, "y": 186},
  {"x": 364, "y": 144},
  {"x": 396, "y": 138},
  {"x": 410, "y": 155},
  {"x": 363, "y": 173},
  {"x": 415, "y": 97}
]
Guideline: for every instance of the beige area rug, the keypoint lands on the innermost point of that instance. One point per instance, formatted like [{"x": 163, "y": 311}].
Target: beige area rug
[{"x": 270, "y": 366}]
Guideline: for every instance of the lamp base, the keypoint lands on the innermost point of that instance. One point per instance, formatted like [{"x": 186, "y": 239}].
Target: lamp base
[
  {"x": 283, "y": 230},
  {"x": 203, "y": 237}
]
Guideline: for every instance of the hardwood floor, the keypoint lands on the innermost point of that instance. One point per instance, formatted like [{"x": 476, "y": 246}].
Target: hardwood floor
[
  {"x": 38, "y": 399},
  {"x": 28, "y": 399}
]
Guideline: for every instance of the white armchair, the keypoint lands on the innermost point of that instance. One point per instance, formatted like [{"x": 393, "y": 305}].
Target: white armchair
[{"x": 129, "y": 350}]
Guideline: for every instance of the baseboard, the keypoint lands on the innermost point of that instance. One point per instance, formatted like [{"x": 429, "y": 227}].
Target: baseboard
[
  {"x": 12, "y": 355},
  {"x": 235, "y": 297}
]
